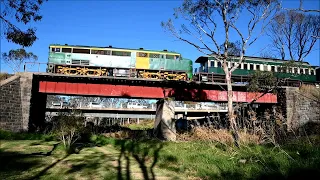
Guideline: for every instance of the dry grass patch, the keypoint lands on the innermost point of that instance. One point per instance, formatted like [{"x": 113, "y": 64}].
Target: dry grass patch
[{"x": 222, "y": 136}]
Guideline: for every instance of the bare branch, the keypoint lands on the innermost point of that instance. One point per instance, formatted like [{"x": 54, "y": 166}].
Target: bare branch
[
  {"x": 302, "y": 9},
  {"x": 294, "y": 32}
]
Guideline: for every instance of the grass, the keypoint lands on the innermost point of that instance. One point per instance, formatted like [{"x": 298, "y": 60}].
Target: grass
[
  {"x": 218, "y": 161},
  {"x": 30, "y": 159},
  {"x": 213, "y": 160},
  {"x": 143, "y": 125},
  {"x": 110, "y": 158},
  {"x": 7, "y": 135}
]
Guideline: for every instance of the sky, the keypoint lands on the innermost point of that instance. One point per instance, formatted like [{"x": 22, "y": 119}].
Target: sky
[{"x": 124, "y": 24}]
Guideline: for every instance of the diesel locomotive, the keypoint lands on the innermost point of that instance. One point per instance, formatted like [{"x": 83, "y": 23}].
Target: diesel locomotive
[{"x": 110, "y": 61}]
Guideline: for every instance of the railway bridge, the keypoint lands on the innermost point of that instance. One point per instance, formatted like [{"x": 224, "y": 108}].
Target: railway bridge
[{"x": 23, "y": 96}]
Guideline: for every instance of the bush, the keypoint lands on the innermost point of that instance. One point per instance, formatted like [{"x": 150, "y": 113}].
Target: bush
[{"x": 69, "y": 127}]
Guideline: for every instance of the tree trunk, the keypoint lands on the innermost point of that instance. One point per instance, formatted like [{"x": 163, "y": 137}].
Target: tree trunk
[{"x": 232, "y": 121}]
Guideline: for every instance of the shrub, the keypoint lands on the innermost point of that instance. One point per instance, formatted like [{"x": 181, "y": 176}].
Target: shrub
[{"x": 68, "y": 127}]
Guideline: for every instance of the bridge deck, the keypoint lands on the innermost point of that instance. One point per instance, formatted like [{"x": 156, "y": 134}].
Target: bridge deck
[{"x": 141, "y": 81}]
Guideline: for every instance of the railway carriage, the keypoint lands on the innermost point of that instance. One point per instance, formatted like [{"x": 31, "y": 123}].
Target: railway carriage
[
  {"x": 110, "y": 61},
  {"x": 211, "y": 69}
]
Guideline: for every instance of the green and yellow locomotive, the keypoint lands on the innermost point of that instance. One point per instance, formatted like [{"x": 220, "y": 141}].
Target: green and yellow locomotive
[{"x": 110, "y": 61}]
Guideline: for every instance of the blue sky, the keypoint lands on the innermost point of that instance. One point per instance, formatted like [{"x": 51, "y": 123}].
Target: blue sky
[{"x": 131, "y": 24}]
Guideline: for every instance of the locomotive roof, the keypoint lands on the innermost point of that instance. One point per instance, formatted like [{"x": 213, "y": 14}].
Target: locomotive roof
[
  {"x": 253, "y": 59},
  {"x": 111, "y": 47}
]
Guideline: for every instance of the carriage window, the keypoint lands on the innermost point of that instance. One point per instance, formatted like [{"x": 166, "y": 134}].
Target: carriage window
[
  {"x": 273, "y": 68},
  {"x": 283, "y": 69},
  {"x": 295, "y": 70},
  {"x": 245, "y": 66},
  {"x": 312, "y": 72},
  {"x": 121, "y": 53},
  {"x": 251, "y": 66},
  {"x": 265, "y": 67},
  {"x": 83, "y": 51},
  {"x": 301, "y": 71},
  {"x": 169, "y": 56},
  {"x": 258, "y": 67},
  {"x": 55, "y": 49},
  {"x": 154, "y": 55},
  {"x": 142, "y": 54},
  {"x": 307, "y": 71},
  {"x": 219, "y": 64},
  {"x": 66, "y": 50},
  {"x": 290, "y": 70},
  {"x": 102, "y": 52},
  {"x": 212, "y": 63}
]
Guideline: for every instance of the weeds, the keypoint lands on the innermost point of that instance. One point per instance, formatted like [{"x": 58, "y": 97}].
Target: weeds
[{"x": 218, "y": 135}]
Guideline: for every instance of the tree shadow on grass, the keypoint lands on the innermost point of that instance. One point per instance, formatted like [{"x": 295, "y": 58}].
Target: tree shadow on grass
[
  {"x": 144, "y": 152},
  {"x": 15, "y": 163},
  {"x": 92, "y": 165}
]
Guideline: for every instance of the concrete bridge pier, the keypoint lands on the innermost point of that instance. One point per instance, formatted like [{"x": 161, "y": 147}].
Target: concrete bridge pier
[{"x": 164, "y": 124}]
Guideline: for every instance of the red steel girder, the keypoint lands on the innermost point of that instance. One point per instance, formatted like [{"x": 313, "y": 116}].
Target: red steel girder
[{"x": 111, "y": 90}]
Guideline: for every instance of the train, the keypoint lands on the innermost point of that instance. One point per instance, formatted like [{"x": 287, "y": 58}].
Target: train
[
  {"x": 118, "y": 62},
  {"x": 165, "y": 65},
  {"x": 298, "y": 72}
]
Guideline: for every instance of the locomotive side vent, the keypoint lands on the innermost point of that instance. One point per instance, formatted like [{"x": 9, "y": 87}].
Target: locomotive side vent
[
  {"x": 80, "y": 62},
  {"x": 75, "y": 61}
]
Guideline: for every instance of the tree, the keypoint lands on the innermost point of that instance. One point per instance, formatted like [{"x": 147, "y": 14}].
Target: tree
[
  {"x": 68, "y": 127},
  {"x": 293, "y": 33},
  {"x": 83, "y": 101},
  {"x": 23, "y": 12},
  {"x": 267, "y": 54},
  {"x": 15, "y": 58},
  {"x": 304, "y": 10},
  {"x": 52, "y": 98},
  {"x": 204, "y": 16},
  {"x": 112, "y": 102},
  {"x": 301, "y": 9}
]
